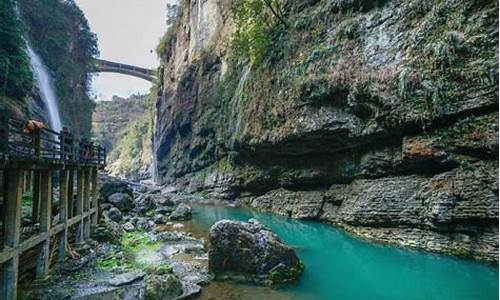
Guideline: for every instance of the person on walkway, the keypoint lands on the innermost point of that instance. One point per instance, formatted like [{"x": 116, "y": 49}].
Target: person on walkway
[
  {"x": 33, "y": 128},
  {"x": 66, "y": 139}
]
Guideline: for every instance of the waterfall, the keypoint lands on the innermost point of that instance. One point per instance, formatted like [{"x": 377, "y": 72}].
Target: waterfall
[{"x": 46, "y": 88}]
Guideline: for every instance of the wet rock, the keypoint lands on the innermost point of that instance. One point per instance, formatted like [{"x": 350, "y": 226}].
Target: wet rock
[
  {"x": 164, "y": 210},
  {"x": 181, "y": 212},
  {"x": 114, "y": 214},
  {"x": 141, "y": 189},
  {"x": 163, "y": 200},
  {"x": 177, "y": 226},
  {"x": 163, "y": 287},
  {"x": 122, "y": 201},
  {"x": 295, "y": 204},
  {"x": 125, "y": 278},
  {"x": 113, "y": 187},
  {"x": 107, "y": 232},
  {"x": 252, "y": 253},
  {"x": 94, "y": 291},
  {"x": 105, "y": 206},
  {"x": 144, "y": 203},
  {"x": 144, "y": 224},
  {"x": 72, "y": 266},
  {"x": 128, "y": 226},
  {"x": 159, "y": 219}
]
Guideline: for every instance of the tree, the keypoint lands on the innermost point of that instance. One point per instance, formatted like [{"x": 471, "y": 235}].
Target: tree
[
  {"x": 15, "y": 74},
  {"x": 258, "y": 22}
]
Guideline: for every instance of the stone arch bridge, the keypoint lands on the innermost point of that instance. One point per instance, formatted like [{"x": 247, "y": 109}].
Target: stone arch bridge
[{"x": 114, "y": 67}]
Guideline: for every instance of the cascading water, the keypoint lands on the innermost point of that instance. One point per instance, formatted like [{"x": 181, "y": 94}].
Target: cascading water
[{"x": 46, "y": 88}]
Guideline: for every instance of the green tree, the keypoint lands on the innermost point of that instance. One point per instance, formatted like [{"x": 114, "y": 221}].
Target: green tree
[
  {"x": 15, "y": 74},
  {"x": 258, "y": 23}
]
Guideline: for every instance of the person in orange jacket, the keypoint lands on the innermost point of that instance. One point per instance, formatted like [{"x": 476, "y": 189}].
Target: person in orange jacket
[{"x": 33, "y": 126}]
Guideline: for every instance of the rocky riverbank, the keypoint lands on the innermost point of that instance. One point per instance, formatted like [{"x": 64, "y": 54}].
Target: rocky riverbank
[{"x": 141, "y": 250}]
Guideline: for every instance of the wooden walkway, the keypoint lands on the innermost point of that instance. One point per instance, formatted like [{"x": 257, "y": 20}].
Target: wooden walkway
[{"x": 40, "y": 160}]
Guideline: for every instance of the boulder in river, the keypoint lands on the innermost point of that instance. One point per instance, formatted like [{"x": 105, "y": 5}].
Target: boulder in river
[
  {"x": 122, "y": 201},
  {"x": 114, "y": 214},
  {"x": 181, "y": 212},
  {"x": 250, "y": 252}
]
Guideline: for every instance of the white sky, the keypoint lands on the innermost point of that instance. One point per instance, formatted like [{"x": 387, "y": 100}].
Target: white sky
[{"x": 128, "y": 32}]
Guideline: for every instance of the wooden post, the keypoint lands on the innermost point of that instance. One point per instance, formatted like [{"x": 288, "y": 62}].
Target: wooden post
[
  {"x": 42, "y": 270},
  {"x": 12, "y": 232},
  {"x": 79, "y": 206},
  {"x": 23, "y": 181},
  {"x": 86, "y": 202},
  {"x": 36, "y": 196},
  {"x": 63, "y": 214},
  {"x": 71, "y": 205},
  {"x": 95, "y": 200}
]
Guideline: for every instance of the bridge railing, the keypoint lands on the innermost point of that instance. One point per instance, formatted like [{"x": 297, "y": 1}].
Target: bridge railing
[{"x": 31, "y": 140}]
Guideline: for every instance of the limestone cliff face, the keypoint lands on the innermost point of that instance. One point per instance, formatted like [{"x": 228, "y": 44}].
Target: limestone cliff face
[{"x": 377, "y": 116}]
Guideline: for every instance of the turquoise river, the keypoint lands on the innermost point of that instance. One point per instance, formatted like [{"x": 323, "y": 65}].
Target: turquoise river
[{"x": 341, "y": 267}]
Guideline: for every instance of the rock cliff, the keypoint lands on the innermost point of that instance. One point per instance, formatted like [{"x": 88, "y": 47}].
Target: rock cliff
[
  {"x": 123, "y": 126},
  {"x": 378, "y": 116}
]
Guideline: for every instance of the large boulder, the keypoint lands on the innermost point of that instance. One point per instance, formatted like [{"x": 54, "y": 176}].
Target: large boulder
[
  {"x": 114, "y": 214},
  {"x": 250, "y": 252},
  {"x": 163, "y": 287},
  {"x": 181, "y": 212},
  {"x": 122, "y": 201},
  {"x": 112, "y": 187},
  {"x": 144, "y": 203}
]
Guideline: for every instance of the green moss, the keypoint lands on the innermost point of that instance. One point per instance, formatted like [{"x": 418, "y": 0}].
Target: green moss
[
  {"x": 109, "y": 263},
  {"x": 461, "y": 252},
  {"x": 290, "y": 275},
  {"x": 159, "y": 269},
  {"x": 134, "y": 241},
  {"x": 130, "y": 245}
]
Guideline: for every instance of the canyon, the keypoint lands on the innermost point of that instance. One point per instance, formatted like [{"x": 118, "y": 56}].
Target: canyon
[{"x": 379, "y": 117}]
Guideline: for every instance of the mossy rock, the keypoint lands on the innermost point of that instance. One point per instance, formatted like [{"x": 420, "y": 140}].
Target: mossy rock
[{"x": 110, "y": 188}]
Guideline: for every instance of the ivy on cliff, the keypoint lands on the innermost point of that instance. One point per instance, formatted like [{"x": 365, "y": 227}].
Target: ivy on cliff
[
  {"x": 259, "y": 24},
  {"x": 15, "y": 74}
]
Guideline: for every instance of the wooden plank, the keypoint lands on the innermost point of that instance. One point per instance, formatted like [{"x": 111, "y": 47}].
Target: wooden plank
[
  {"x": 32, "y": 242},
  {"x": 95, "y": 200},
  {"x": 42, "y": 269},
  {"x": 36, "y": 196},
  {"x": 13, "y": 208},
  {"x": 77, "y": 219},
  {"x": 12, "y": 229},
  {"x": 10, "y": 275},
  {"x": 71, "y": 205},
  {"x": 6, "y": 254},
  {"x": 63, "y": 214},
  {"x": 86, "y": 202},
  {"x": 79, "y": 206}
]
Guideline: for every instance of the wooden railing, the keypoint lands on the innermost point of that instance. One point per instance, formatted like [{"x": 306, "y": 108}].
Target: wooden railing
[
  {"x": 37, "y": 160},
  {"x": 18, "y": 142}
]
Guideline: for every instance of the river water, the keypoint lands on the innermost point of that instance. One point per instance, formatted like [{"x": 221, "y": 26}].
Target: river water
[{"x": 341, "y": 267}]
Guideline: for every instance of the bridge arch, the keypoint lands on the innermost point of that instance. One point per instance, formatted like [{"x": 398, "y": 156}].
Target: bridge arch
[{"x": 114, "y": 67}]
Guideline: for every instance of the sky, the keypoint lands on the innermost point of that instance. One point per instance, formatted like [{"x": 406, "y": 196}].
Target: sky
[{"x": 128, "y": 32}]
